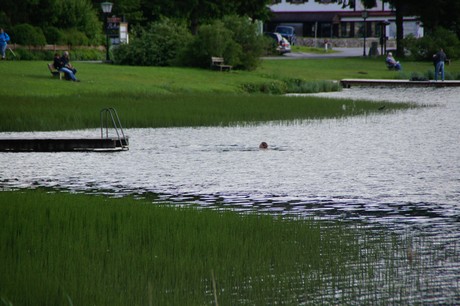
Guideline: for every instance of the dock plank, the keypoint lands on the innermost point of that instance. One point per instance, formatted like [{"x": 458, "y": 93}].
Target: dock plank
[{"x": 62, "y": 144}]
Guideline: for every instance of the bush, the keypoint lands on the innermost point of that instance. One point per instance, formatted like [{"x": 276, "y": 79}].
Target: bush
[
  {"x": 273, "y": 87},
  {"x": 245, "y": 34},
  {"x": 54, "y": 36},
  {"x": 292, "y": 86},
  {"x": 417, "y": 76},
  {"x": 424, "y": 48},
  {"x": 234, "y": 38},
  {"x": 213, "y": 40},
  {"x": 25, "y": 34},
  {"x": 162, "y": 44},
  {"x": 73, "y": 37}
]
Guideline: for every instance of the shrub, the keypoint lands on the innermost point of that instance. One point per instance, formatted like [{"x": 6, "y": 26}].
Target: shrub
[
  {"x": 417, "y": 76},
  {"x": 424, "y": 48},
  {"x": 273, "y": 87},
  {"x": 5, "y": 21},
  {"x": 162, "y": 44},
  {"x": 245, "y": 34},
  {"x": 213, "y": 40},
  {"x": 233, "y": 38},
  {"x": 54, "y": 36},
  {"x": 25, "y": 34},
  {"x": 73, "y": 37}
]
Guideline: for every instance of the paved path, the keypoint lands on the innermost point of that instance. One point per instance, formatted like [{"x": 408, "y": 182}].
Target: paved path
[{"x": 339, "y": 52}]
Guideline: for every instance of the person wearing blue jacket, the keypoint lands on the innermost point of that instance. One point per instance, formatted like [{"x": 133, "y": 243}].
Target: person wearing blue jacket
[{"x": 4, "y": 39}]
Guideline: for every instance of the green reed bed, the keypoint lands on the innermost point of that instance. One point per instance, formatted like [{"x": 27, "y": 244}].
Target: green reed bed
[
  {"x": 146, "y": 110},
  {"x": 67, "y": 249}
]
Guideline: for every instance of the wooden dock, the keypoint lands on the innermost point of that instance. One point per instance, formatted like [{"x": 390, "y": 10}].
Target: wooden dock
[
  {"x": 347, "y": 83},
  {"x": 63, "y": 144}
]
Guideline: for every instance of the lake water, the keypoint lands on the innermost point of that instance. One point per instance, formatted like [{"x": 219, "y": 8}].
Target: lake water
[{"x": 400, "y": 170}]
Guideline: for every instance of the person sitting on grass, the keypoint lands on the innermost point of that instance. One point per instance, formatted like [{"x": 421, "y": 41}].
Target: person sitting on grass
[
  {"x": 392, "y": 63},
  {"x": 63, "y": 64}
]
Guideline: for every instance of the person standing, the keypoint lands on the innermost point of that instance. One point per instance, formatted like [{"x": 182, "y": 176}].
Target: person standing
[
  {"x": 4, "y": 39},
  {"x": 439, "y": 58}
]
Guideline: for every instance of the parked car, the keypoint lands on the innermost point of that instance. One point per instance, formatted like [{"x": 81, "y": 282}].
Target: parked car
[
  {"x": 282, "y": 45},
  {"x": 287, "y": 32}
]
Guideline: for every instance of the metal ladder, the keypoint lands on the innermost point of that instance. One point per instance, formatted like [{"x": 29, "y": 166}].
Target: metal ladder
[{"x": 111, "y": 113}]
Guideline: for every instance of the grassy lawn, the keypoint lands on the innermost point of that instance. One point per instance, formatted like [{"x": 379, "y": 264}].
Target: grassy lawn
[
  {"x": 32, "y": 78},
  {"x": 162, "y": 97}
]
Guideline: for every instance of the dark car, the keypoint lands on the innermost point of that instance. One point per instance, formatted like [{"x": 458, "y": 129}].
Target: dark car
[
  {"x": 281, "y": 44},
  {"x": 287, "y": 32}
]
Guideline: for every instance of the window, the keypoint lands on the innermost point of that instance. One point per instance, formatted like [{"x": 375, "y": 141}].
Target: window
[{"x": 296, "y": 1}]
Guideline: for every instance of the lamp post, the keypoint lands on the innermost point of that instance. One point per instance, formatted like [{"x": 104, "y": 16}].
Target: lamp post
[
  {"x": 383, "y": 36},
  {"x": 107, "y": 9},
  {"x": 364, "y": 14}
]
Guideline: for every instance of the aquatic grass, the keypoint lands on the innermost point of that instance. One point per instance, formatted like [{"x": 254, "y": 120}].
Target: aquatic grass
[
  {"x": 143, "y": 110},
  {"x": 104, "y": 251},
  {"x": 61, "y": 249}
]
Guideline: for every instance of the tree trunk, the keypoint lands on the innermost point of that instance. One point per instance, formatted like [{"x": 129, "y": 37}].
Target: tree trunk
[{"x": 399, "y": 6}]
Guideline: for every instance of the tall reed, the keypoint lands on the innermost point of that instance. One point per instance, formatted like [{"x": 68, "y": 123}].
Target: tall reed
[
  {"x": 63, "y": 249},
  {"x": 20, "y": 113}
]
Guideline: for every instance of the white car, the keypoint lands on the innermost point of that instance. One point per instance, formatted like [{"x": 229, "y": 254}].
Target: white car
[{"x": 282, "y": 45}]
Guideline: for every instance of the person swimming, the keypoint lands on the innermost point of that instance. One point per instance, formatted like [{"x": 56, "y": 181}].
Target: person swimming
[{"x": 263, "y": 145}]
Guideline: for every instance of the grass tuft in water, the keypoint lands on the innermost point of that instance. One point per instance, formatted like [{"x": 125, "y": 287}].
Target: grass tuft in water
[
  {"x": 61, "y": 249},
  {"x": 142, "y": 110}
]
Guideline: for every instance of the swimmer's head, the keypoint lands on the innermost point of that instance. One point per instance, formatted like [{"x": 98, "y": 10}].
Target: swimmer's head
[{"x": 263, "y": 145}]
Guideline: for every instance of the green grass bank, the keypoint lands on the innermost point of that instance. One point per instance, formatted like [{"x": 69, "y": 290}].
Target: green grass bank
[
  {"x": 32, "y": 78},
  {"x": 172, "y": 97},
  {"x": 68, "y": 249}
]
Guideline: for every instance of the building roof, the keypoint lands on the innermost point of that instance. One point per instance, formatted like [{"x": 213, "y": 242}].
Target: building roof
[{"x": 327, "y": 16}]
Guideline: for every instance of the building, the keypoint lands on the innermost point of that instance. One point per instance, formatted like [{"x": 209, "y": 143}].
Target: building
[{"x": 339, "y": 20}]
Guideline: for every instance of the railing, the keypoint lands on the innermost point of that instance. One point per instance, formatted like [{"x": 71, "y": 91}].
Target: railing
[{"x": 111, "y": 113}]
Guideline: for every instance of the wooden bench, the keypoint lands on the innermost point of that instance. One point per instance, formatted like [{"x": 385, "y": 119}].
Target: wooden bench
[
  {"x": 55, "y": 73},
  {"x": 218, "y": 63}
]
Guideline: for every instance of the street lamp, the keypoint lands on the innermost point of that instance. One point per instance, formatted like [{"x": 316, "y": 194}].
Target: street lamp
[
  {"x": 107, "y": 9},
  {"x": 364, "y": 14}
]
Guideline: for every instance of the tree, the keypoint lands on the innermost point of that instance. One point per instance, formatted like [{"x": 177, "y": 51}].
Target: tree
[
  {"x": 194, "y": 12},
  {"x": 67, "y": 15}
]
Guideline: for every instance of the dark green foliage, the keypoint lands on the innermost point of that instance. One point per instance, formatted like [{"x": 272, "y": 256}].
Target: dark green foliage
[
  {"x": 76, "y": 54},
  {"x": 292, "y": 86},
  {"x": 424, "y": 48},
  {"x": 170, "y": 43},
  {"x": 416, "y": 76},
  {"x": 5, "y": 22},
  {"x": 28, "y": 55},
  {"x": 161, "y": 44},
  {"x": 54, "y": 36},
  {"x": 74, "y": 37},
  {"x": 213, "y": 40},
  {"x": 234, "y": 38},
  {"x": 25, "y": 34},
  {"x": 275, "y": 87},
  {"x": 245, "y": 35}
]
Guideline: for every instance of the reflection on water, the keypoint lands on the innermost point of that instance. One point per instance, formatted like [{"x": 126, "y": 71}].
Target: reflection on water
[{"x": 401, "y": 170}]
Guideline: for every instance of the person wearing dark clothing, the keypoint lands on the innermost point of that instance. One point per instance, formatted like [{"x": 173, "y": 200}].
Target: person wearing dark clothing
[
  {"x": 439, "y": 58},
  {"x": 57, "y": 62},
  {"x": 63, "y": 64}
]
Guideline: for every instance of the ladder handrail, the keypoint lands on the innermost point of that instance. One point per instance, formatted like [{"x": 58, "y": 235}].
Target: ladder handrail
[{"x": 111, "y": 111}]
